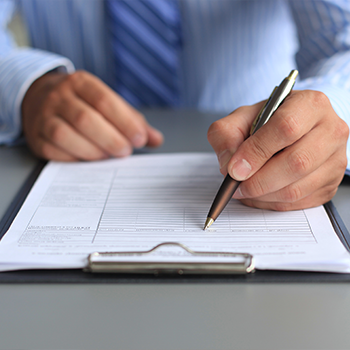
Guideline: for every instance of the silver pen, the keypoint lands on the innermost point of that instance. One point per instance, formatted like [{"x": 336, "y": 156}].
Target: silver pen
[{"x": 229, "y": 185}]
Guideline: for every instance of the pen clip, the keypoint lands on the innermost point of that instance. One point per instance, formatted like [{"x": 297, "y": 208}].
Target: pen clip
[{"x": 256, "y": 120}]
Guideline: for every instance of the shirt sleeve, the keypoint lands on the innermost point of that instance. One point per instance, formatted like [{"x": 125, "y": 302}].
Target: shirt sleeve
[
  {"x": 19, "y": 68},
  {"x": 323, "y": 58}
]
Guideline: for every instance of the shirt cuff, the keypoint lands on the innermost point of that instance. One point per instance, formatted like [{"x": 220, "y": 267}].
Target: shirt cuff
[
  {"x": 339, "y": 98},
  {"x": 18, "y": 70}
]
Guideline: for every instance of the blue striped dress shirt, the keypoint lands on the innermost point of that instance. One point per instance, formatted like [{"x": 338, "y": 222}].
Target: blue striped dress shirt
[{"x": 234, "y": 51}]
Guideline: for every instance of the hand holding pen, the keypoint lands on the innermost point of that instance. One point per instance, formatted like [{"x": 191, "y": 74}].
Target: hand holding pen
[{"x": 295, "y": 161}]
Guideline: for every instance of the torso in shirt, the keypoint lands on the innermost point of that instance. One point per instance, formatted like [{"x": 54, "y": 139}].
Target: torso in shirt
[{"x": 234, "y": 52}]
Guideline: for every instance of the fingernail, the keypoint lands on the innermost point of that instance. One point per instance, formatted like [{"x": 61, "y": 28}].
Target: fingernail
[
  {"x": 124, "y": 152},
  {"x": 224, "y": 158},
  {"x": 139, "y": 140},
  {"x": 238, "y": 194},
  {"x": 240, "y": 170}
]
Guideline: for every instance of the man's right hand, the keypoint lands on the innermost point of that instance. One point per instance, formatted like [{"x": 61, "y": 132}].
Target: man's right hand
[{"x": 78, "y": 117}]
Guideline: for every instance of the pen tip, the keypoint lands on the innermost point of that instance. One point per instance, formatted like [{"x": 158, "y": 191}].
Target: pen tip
[{"x": 208, "y": 223}]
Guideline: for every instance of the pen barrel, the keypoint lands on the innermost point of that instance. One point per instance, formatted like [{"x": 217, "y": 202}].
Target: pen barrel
[
  {"x": 276, "y": 99},
  {"x": 225, "y": 193}
]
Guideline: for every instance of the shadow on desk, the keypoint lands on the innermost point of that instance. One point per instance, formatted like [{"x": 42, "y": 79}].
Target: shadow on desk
[{"x": 81, "y": 277}]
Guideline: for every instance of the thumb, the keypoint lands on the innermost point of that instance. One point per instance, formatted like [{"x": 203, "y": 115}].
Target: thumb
[{"x": 227, "y": 134}]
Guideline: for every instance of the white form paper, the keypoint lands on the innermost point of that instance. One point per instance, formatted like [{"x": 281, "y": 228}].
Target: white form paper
[{"x": 136, "y": 203}]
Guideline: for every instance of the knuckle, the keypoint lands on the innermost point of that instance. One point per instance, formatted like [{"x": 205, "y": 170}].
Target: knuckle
[
  {"x": 215, "y": 127},
  {"x": 255, "y": 188},
  {"x": 53, "y": 97},
  {"x": 289, "y": 128},
  {"x": 76, "y": 77},
  {"x": 281, "y": 206},
  {"x": 260, "y": 149},
  {"x": 330, "y": 194},
  {"x": 82, "y": 120},
  {"x": 241, "y": 110},
  {"x": 101, "y": 101},
  {"x": 47, "y": 110},
  {"x": 343, "y": 163},
  {"x": 90, "y": 156},
  {"x": 227, "y": 131},
  {"x": 113, "y": 145},
  {"x": 341, "y": 130},
  {"x": 340, "y": 164},
  {"x": 57, "y": 133},
  {"x": 299, "y": 163},
  {"x": 291, "y": 194},
  {"x": 318, "y": 98}
]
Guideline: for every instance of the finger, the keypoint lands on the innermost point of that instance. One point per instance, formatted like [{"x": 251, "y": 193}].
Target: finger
[
  {"x": 43, "y": 148},
  {"x": 321, "y": 196},
  {"x": 114, "y": 108},
  {"x": 287, "y": 125},
  {"x": 155, "y": 137},
  {"x": 326, "y": 177},
  {"x": 226, "y": 135},
  {"x": 66, "y": 138},
  {"x": 94, "y": 127},
  {"x": 293, "y": 163}
]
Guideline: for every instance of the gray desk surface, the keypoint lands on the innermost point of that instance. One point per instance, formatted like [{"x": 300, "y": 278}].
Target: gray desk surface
[{"x": 169, "y": 316}]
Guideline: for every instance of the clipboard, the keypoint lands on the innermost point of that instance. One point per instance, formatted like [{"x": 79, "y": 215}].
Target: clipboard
[{"x": 243, "y": 272}]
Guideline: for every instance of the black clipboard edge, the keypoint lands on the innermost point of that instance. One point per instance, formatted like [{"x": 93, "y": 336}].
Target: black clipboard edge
[
  {"x": 81, "y": 277},
  {"x": 338, "y": 224},
  {"x": 20, "y": 197}
]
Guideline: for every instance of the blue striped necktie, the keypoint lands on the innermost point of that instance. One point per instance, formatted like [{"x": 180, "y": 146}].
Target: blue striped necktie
[{"x": 146, "y": 40}]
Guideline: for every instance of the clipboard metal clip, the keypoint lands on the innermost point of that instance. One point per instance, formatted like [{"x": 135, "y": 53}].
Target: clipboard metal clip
[{"x": 171, "y": 258}]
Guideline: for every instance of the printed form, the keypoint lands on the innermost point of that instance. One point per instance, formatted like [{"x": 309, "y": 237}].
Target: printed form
[{"x": 133, "y": 204}]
